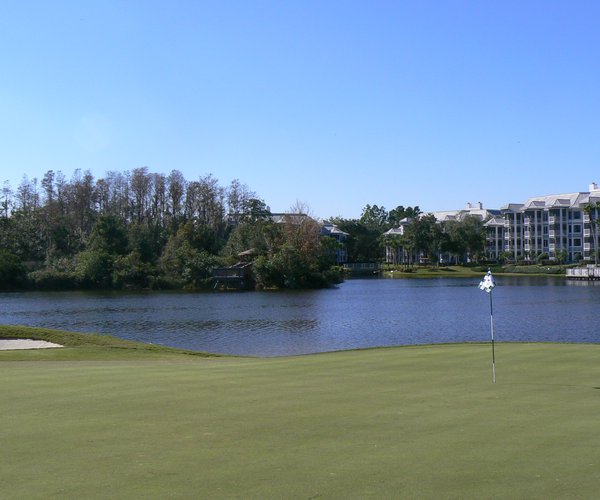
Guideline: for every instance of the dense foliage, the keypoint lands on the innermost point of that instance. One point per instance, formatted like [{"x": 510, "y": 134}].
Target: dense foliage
[{"x": 144, "y": 230}]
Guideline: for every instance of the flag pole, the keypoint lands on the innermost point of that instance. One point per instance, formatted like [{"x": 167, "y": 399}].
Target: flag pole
[
  {"x": 487, "y": 285},
  {"x": 493, "y": 349}
]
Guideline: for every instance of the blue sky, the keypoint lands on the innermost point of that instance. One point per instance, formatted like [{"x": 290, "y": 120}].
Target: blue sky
[{"x": 334, "y": 104}]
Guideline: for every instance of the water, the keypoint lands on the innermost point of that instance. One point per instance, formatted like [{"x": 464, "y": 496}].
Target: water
[{"x": 357, "y": 314}]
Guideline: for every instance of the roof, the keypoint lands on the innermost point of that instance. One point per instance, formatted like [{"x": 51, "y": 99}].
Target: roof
[
  {"x": 395, "y": 231},
  {"x": 563, "y": 200},
  {"x": 332, "y": 229},
  {"x": 399, "y": 230},
  {"x": 478, "y": 211},
  {"x": 495, "y": 220}
]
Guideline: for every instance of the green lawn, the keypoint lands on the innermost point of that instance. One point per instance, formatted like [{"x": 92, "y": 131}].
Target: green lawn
[
  {"x": 410, "y": 422},
  {"x": 474, "y": 272}
]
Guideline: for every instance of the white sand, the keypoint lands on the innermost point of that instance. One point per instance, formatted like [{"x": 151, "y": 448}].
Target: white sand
[{"x": 13, "y": 344}]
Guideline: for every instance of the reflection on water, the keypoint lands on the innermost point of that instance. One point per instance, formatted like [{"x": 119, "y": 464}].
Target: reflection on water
[{"x": 357, "y": 314}]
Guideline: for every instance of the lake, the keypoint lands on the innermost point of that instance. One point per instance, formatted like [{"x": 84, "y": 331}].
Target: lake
[{"x": 359, "y": 313}]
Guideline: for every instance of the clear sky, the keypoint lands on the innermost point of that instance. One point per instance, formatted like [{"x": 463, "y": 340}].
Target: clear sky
[{"x": 334, "y": 104}]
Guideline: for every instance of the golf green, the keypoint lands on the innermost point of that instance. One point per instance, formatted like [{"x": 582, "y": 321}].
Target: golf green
[{"x": 409, "y": 422}]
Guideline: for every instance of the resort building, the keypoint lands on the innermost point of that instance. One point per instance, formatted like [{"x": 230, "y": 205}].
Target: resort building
[
  {"x": 494, "y": 241},
  {"x": 555, "y": 225},
  {"x": 331, "y": 230},
  {"x": 395, "y": 253},
  {"x": 493, "y": 223},
  {"x": 475, "y": 209}
]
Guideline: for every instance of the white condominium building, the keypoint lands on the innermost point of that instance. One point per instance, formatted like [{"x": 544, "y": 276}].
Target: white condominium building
[
  {"x": 556, "y": 225},
  {"x": 493, "y": 223}
]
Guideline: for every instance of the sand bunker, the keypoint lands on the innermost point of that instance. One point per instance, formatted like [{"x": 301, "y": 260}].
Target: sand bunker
[{"x": 14, "y": 344}]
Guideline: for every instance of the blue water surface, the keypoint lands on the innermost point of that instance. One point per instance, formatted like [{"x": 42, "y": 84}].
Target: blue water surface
[{"x": 358, "y": 313}]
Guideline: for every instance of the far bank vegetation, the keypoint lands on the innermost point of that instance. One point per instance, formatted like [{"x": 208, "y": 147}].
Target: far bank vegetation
[{"x": 145, "y": 230}]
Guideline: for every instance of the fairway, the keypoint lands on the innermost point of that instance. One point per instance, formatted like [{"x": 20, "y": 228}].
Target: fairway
[{"x": 409, "y": 422}]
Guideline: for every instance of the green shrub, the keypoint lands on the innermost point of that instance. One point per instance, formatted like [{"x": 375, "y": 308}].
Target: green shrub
[{"x": 12, "y": 271}]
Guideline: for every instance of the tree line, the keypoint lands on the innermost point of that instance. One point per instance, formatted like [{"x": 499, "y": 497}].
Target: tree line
[{"x": 141, "y": 229}]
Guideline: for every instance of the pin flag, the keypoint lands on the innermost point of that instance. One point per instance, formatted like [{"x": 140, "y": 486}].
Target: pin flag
[{"x": 487, "y": 284}]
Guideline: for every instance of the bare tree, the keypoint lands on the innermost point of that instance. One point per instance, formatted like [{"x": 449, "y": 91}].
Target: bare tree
[
  {"x": 140, "y": 185},
  {"x": 6, "y": 199},
  {"x": 238, "y": 196},
  {"x": 176, "y": 188}
]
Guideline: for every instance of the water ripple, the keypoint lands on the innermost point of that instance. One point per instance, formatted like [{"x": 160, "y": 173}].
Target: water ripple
[{"x": 358, "y": 313}]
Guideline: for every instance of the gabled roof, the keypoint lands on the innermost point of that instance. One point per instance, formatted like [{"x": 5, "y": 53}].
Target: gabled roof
[
  {"x": 495, "y": 220},
  {"x": 332, "y": 229},
  {"x": 477, "y": 211},
  {"x": 395, "y": 231},
  {"x": 512, "y": 207},
  {"x": 534, "y": 204},
  {"x": 564, "y": 200},
  {"x": 399, "y": 230}
]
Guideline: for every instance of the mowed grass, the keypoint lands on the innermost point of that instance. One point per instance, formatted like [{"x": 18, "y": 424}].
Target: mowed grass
[{"x": 409, "y": 422}]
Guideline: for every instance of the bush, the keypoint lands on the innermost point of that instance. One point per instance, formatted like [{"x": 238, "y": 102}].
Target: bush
[
  {"x": 94, "y": 269},
  {"x": 58, "y": 274},
  {"x": 12, "y": 271},
  {"x": 53, "y": 279},
  {"x": 131, "y": 272}
]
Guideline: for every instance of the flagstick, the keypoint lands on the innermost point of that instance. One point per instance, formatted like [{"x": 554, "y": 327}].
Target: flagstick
[{"x": 493, "y": 350}]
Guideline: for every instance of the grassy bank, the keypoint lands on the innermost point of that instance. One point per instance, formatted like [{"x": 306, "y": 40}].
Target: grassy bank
[
  {"x": 83, "y": 346},
  {"x": 472, "y": 271},
  {"x": 411, "y": 422}
]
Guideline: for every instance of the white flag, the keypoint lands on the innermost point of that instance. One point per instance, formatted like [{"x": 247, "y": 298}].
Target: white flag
[{"x": 487, "y": 283}]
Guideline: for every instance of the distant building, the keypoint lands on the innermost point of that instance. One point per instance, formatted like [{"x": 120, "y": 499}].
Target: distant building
[
  {"x": 328, "y": 229},
  {"x": 494, "y": 241},
  {"x": 555, "y": 225},
  {"x": 475, "y": 209},
  {"x": 395, "y": 253},
  {"x": 493, "y": 223}
]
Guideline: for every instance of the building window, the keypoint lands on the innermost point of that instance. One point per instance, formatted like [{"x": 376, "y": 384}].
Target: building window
[{"x": 577, "y": 242}]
